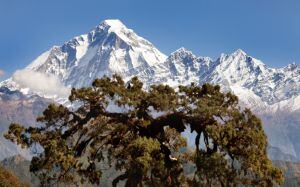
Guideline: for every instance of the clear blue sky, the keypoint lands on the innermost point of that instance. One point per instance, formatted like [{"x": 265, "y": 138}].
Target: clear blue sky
[{"x": 266, "y": 29}]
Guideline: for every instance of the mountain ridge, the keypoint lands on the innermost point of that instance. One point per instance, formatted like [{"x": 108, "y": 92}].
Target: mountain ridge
[{"x": 111, "y": 48}]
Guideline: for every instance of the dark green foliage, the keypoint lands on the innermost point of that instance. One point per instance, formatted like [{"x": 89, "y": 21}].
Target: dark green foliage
[{"x": 230, "y": 146}]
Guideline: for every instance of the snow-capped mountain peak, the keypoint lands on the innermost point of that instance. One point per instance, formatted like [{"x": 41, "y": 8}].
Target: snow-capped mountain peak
[
  {"x": 181, "y": 50},
  {"x": 182, "y": 54},
  {"x": 109, "y": 48},
  {"x": 112, "y": 27},
  {"x": 291, "y": 67},
  {"x": 239, "y": 52},
  {"x": 183, "y": 62},
  {"x": 238, "y": 56},
  {"x": 113, "y": 24},
  {"x": 238, "y": 68}
]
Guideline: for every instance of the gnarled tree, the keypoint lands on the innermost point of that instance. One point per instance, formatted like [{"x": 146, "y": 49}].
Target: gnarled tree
[{"x": 138, "y": 132}]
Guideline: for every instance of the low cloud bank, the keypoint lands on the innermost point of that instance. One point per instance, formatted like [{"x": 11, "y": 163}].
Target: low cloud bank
[{"x": 39, "y": 82}]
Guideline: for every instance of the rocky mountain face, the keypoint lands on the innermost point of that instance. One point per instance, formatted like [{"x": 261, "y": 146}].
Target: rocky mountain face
[
  {"x": 19, "y": 108},
  {"x": 109, "y": 48}
]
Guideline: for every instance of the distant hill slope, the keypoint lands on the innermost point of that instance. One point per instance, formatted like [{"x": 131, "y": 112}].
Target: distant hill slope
[
  {"x": 19, "y": 108},
  {"x": 20, "y": 167},
  {"x": 291, "y": 171}
]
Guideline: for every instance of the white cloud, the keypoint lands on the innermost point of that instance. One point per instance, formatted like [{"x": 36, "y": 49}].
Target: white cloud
[
  {"x": 39, "y": 82},
  {"x": 2, "y": 73}
]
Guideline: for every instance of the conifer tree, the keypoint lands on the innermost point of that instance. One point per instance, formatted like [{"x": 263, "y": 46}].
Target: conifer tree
[{"x": 138, "y": 133}]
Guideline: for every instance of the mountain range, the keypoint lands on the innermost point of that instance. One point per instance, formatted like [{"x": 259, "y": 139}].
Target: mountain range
[{"x": 112, "y": 48}]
